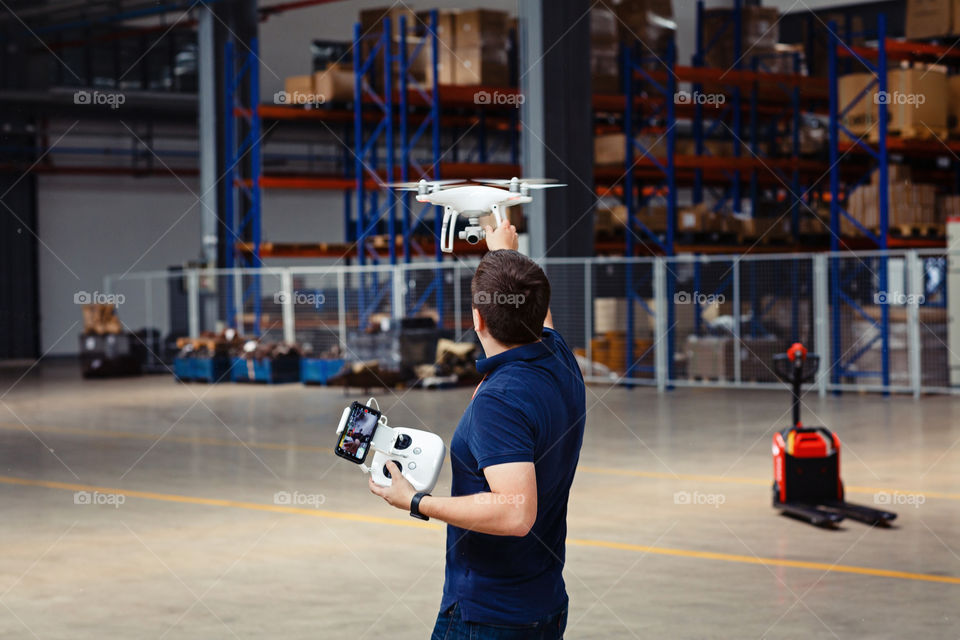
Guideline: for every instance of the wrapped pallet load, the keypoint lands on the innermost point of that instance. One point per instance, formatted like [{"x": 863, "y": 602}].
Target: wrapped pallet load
[{"x": 915, "y": 101}]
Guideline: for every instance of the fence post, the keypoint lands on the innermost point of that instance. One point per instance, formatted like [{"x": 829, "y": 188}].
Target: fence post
[
  {"x": 238, "y": 299},
  {"x": 342, "y": 308},
  {"x": 821, "y": 325},
  {"x": 193, "y": 302},
  {"x": 148, "y": 304},
  {"x": 588, "y": 312},
  {"x": 287, "y": 302},
  {"x": 397, "y": 297},
  {"x": 457, "y": 302},
  {"x": 661, "y": 343},
  {"x": 914, "y": 288},
  {"x": 737, "y": 365}
]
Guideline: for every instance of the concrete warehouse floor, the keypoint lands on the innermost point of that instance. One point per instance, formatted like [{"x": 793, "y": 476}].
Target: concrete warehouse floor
[{"x": 199, "y": 548}]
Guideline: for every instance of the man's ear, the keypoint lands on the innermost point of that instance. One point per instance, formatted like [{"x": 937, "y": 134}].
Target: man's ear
[{"x": 478, "y": 323}]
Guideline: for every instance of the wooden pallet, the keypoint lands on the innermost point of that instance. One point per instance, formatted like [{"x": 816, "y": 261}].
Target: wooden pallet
[
  {"x": 918, "y": 132},
  {"x": 768, "y": 239},
  {"x": 920, "y": 230}
]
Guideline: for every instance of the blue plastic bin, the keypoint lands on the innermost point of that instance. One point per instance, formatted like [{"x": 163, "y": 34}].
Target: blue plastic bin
[{"x": 319, "y": 370}]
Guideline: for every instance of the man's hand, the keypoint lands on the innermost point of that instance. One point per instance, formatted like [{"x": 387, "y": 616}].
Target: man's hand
[
  {"x": 400, "y": 492},
  {"x": 503, "y": 237}
]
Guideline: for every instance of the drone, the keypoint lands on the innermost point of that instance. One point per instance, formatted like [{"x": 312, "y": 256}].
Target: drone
[{"x": 473, "y": 201}]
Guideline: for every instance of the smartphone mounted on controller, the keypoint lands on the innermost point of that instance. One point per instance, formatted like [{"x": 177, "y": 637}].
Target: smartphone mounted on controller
[{"x": 364, "y": 428}]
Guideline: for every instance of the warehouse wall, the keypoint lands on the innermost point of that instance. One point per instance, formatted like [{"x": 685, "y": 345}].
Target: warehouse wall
[{"x": 90, "y": 227}]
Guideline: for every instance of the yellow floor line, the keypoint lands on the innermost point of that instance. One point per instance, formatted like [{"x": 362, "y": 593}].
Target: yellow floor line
[
  {"x": 602, "y": 544},
  {"x": 279, "y": 446}
]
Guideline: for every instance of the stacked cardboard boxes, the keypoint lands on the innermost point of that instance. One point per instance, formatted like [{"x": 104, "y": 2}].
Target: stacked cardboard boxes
[
  {"x": 604, "y": 50},
  {"x": 610, "y": 350},
  {"x": 916, "y": 102},
  {"x": 932, "y": 18},
  {"x": 760, "y": 33},
  {"x": 482, "y": 46},
  {"x": 650, "y": 21},
  {"x": 948, "y": 207},
  {"x": 933, "y": 341},
  {"x": 909, "y": 203},
  {"x": 953, "y": 104},
  {"x": 446, "y": 55},
  {"x": 371, "y": 25}
]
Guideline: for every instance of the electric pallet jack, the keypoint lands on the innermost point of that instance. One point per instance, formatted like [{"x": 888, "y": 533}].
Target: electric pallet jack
[{"x": 806, "y": 460}]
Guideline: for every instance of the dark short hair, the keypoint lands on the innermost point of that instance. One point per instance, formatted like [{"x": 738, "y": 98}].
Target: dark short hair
[{"x": 512, "y": 294}]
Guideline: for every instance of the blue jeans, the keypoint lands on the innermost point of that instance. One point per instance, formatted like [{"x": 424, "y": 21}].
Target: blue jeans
[{"x": 450, "y": 626}]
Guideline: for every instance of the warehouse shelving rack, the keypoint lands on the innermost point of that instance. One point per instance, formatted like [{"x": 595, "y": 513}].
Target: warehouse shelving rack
[
  {"x": 242, "y": 153},
  {"x": 636, "y": 64},
  {"x": 843, "y": 143}
]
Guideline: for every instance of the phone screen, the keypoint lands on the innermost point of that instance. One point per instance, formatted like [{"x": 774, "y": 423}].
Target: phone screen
[{"x": 354, "y": 442}]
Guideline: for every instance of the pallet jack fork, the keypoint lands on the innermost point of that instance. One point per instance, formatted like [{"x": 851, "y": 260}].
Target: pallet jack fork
[{"x": 806, "y": 460}]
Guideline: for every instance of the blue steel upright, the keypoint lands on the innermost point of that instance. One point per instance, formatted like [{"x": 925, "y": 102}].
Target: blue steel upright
[{"x": 840, "y": 272}]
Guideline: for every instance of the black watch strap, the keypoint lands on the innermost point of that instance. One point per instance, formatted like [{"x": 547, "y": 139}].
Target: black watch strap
[{"x": 415, "y": 506}]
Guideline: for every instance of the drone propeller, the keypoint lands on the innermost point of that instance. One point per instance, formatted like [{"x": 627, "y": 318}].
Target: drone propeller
[
  {"x": 529, "y": 181},
  {"x": 431, "y": 185},
  {"x": 536, "y": 185}
]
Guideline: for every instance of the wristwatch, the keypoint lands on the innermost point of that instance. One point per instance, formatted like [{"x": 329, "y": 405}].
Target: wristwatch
[{"x": 415, "y": 506}]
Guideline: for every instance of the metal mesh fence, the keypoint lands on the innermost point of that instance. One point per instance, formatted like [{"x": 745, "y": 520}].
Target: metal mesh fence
[{"x": 879, "y": 320}]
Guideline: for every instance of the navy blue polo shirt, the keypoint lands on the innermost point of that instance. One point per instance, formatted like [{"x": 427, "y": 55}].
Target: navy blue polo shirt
[{"x": 530, "y": 407}]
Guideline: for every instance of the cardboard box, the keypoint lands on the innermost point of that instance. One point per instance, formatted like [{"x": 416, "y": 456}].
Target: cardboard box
[
  {"x": 653, "y": 216},
  {"x": 862, "y": 116},
  {"x": 481, "y": 28},
  {"x": 298, "y": 85},
  {"x": 908, "y": 204},
  {"x": 605, "y": 67},
  {"x": 948, "y": 207},
  {"x": 610, "y": 315},
  {"x": 446, "y": 45},
  {"x": 760, "y": 33},
  {"x": 929, "y": 18},
  {"x": 371, "y": 25},
  {"x": 371, "y": 21},
  {"x": 953, "y": 104},
  {"x": 487, "y": 65},
  {"x": 604, "y": 26},
  {"x": 698, "y": 218},
  {"x": 765, "y": 228},
  {"x": 917, "y": 101},
  {"x": 609, "y": 149},
  {"x": 335, "y": 83},
  {"x": 709, "y": 357},
  {"x": 650, "y": 21}
]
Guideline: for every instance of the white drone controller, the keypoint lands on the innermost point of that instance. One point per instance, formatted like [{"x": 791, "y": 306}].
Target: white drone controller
[
  {"x": 419, "y": 453},
  {"x": 473, "y": 200}
]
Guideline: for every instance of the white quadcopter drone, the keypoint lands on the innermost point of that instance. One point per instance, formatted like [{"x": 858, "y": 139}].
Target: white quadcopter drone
[{"x": 473, "y": 201}]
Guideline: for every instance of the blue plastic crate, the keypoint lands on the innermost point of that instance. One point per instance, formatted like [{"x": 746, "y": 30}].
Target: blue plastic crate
[
  {"x": 211, "y": 369},
  {"x": 266, "y": 370},
  {"x": 183, "y": 369},
  {"x": 319, "y": 370}
]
